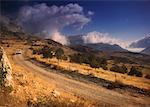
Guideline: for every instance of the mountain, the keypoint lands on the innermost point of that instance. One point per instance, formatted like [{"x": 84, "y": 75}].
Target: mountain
[
  {"x": 77, "y": 42},
  {"x": 143, "y": 43},
  {"x": 106, "y": 47},
  {"x": 146, "y": 51}
]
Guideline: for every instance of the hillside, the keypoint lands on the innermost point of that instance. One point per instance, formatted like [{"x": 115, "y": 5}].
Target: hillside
[
  {"x": 146, "y": 51},
  {"x": 106, "y": 47},
  {"x": 78, "y": 41},
  {"x": 143, "y": 43}
]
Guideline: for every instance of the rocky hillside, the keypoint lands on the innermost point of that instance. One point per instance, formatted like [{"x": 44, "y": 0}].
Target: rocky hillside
[
  {"x": 146, "y": 51},
  {"x": 143, "y": 43},
  {"x": 78, "y": 41},
  {"x": 5, "y": 70}
]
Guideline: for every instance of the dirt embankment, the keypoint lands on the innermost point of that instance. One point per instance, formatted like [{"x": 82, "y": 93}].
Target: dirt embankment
[{"x": 5, "y": 70}]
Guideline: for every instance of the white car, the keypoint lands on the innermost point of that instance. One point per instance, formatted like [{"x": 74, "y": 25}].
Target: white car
[{"x": 18, "y": 52}]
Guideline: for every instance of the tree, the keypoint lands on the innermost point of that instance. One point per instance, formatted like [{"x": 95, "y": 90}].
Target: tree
[
  {"x": 115, "y": 68},
  {"x": 34, "y": 52},
  {"x": 135, "y": 71},
  {"x": 59, "y": 53},
  {"x": 123, "y": 69},
  {"x": 94, "y": 63},
  {"x": 47, "y": 54},
  {"x": 120, "y": 69}
]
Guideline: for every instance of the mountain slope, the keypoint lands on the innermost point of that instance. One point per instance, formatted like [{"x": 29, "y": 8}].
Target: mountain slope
[
  {"x": 143, "y": 43},
  {"x": 105, "y": 47},
  {"x": 77, "y": 41},
  {"x": 146, "y": 51}
]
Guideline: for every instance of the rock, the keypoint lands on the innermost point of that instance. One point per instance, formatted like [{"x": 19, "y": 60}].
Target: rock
[
  {"x": 56, "y": 93},
  {"x": 72, "y": 100},
  {"x": 5, "y": 70},
  {"x": 23, "y": 82}
]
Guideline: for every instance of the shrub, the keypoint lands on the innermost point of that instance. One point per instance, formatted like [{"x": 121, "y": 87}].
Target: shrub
[
  {"x": 34, "y": 52},
  {"x": 147, "y": 76},
  {"x": 59, "y": 53},
  {"x": 135, "y": 71},
  {"x": 91, "y": 59},
  {"x": 94, "y": 64},
  {"x": 104, "y": 67},
  {"x": 116, "y": 84},
  {"x": 64, "y": 57},
  {"x": 120, "y": 69},
  {"x": 47, "y": 54},
  {"x": 115, "y": 68}
]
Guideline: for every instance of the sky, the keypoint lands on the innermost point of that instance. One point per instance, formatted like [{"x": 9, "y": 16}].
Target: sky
[{"x": 126, "y": 20}]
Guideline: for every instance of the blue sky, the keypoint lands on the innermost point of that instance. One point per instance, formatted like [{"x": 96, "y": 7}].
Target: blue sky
[{"x": 125, "y": 19}]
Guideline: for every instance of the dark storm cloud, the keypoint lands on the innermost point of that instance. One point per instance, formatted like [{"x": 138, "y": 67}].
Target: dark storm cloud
[{"x": 40, "y": 17}]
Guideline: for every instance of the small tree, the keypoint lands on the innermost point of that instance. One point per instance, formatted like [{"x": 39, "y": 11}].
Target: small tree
[
  {"x": 59, "y": 53},
  {"x": 94, "y": 64},
  {"x": 34, "y": 52},
  {"x": 115, "y": 68},
  {"x": 123, "y": 69},
  {"x": 135, "y": 71},
  {"x": 47, "y": 54},
  {"x": 120, "y": 69},
  {"x": 147, "y": 76}
]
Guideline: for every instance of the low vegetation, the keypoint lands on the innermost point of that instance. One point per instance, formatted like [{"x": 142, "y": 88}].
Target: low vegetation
[
  {"x": 147, "y": 76},
  {"x": 113, "y": 85},
  {"x": 91, "y": 59},
  {"x": 120, "y": 69},
  {"x": 48, "y": 52},
  {"x": 135, "y": 72}
]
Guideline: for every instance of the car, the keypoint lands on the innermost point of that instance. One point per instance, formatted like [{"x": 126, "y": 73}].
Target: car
[{"x": 18, "y": 52}]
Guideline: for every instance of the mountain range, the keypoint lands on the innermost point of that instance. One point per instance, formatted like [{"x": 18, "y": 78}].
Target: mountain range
[
  {"x": 77, "y": 40},
  {"x": 146, "y": 51},
  {"x": 142, "y": 43}
]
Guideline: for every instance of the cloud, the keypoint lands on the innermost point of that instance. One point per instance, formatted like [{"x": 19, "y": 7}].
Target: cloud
[
  {"x": 98, "y": 37},
  {"x": 56, "y": 36},
  {"x": 90, "y": 13},
  {"x": 41, "y": 18},
  {"x": 135, "y": 49}
]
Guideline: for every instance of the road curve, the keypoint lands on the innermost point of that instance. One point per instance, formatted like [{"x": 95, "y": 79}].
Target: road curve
[{"x": 89, "y": 91}]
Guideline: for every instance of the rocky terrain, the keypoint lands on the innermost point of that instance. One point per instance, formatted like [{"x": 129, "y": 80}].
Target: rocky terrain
[{"x": 5, "y": 70}]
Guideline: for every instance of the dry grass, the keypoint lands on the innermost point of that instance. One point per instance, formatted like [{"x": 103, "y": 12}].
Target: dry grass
[
  {"x": 104, "y": 74},
  {"x": 30, "y": 88}
]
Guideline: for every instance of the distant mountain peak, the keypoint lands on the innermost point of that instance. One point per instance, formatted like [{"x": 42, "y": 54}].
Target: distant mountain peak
[
  {"x": 78, "y": 41},
  {"x": 142, "y": 43},
  {"x": 146, "y": 51}
]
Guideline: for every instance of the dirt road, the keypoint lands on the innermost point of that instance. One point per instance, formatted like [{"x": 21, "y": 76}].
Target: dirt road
[{"x": 88, "y": 91}]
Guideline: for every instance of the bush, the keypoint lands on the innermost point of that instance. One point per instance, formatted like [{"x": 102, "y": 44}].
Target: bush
[
  {"x": 115, "y": 68},
  {"x": 34, "y": 52},
  {"x": 135, "y": 71},
  {"x": 104, "y": 67},
  {"x": 147, "y": 76},
  {"x": 64, "y": 57},
  {"x": 47, "y": 54},
  {"x": 59, "y": 53},
  {"x": 91, "y": 59},
  {"x": 124, "y": 69},
  {"x": 120, "y": 69}
]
